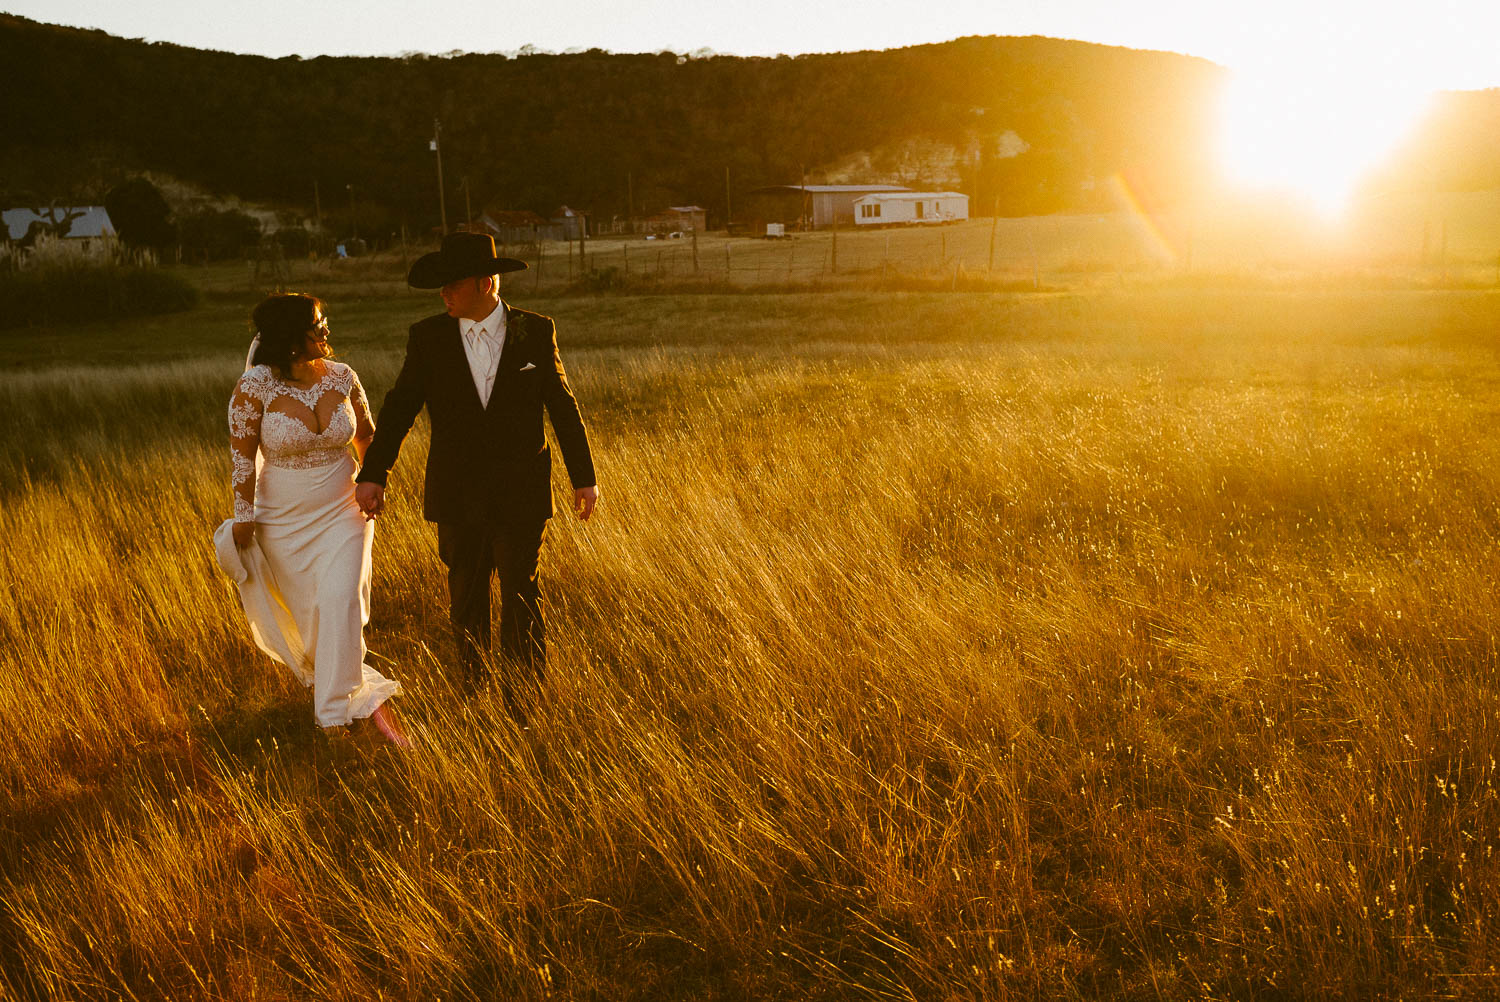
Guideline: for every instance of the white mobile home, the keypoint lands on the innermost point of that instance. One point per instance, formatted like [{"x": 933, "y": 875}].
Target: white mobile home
[
  {"x": 906, "y": 207},
  {"x": 821, "y": 205}
]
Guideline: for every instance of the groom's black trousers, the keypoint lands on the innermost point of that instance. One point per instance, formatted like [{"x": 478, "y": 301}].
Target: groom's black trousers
[{"x": 472, "y": 554}]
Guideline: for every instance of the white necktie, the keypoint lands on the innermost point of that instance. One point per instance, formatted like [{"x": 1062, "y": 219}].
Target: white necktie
[
  {"x": 482, "y": 355},
  {"x": 485, "y": 351}
]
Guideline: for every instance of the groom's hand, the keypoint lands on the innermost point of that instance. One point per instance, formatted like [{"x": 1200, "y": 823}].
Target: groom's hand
[
  {"x": 584, "y": 499},
  {"x": 370, "y": 498}
]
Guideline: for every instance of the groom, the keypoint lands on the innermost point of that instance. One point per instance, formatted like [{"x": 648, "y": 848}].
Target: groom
[{"x": 485, "y": 371}]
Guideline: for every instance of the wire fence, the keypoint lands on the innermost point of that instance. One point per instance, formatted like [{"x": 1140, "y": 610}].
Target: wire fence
[{"x": 1457, "y": 247}]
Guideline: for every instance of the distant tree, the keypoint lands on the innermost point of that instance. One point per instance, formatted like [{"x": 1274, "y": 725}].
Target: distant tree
[
  {"x": 1457, "y": 147},
  {"x": 294, "y": 241},
  {"x": 140, "y": 214},
  {"x": 1034, "y": 183},
  {"x": 34, "y": 232},
  {"x": 217, "y": 235}
]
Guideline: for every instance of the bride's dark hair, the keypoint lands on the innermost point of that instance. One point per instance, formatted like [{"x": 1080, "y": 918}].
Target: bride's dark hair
[{"x": 282, "y": 321}]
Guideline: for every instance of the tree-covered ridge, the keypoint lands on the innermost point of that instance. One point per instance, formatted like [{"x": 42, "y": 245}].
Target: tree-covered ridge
[{"x": 536, "y": 130}]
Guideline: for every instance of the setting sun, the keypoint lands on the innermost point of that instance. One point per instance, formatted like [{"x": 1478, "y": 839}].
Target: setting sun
[{"x": 1312, "y": 135}]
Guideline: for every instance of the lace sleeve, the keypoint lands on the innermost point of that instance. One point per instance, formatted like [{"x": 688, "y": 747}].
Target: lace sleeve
[
  {"x": 245, "y": 411},
  {"x": 364, "y": 426}
]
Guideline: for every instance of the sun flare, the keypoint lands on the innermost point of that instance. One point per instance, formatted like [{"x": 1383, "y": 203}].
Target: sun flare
[{"x": 1312, "y": 135}]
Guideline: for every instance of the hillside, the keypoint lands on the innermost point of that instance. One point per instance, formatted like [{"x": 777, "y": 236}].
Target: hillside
[
  {"x": 1023, "y": 125},
  {"x": 539, "y": 130}
]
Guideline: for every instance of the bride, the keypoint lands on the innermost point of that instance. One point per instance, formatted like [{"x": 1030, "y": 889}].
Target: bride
[{"x": 300, "y": 545}]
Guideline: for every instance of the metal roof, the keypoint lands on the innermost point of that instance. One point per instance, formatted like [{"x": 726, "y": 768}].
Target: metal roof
[
  {"x": 909, "y": 196},
  {"x": 821, "y": 189},
  {"x": 93, "y": 223}
]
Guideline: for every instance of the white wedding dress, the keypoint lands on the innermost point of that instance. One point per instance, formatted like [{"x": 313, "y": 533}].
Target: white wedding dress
[{"x": 306, "y": 591}]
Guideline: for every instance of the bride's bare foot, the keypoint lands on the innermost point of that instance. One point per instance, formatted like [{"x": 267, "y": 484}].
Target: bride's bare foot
[{"x": 390, "y": 725}]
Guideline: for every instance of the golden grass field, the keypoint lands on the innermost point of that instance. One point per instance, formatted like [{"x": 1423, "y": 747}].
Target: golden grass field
[{"x": 1110, "y": 643}]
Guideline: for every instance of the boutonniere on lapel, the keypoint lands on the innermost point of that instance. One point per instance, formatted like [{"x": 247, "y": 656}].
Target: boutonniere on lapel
[{"x": 515, "y": 330}]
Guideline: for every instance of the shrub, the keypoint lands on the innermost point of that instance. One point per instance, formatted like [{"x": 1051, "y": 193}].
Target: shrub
[
  {"x": 602, "y": 280},
  {"x": 218, "y": 235},
  {"x": 58, "y": 285},
  {"x": 294, "y": 241},
  {"x": 141, "y": 215}
]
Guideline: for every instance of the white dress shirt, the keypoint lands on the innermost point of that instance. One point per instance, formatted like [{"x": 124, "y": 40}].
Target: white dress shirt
[{"x": 483, "y": 342}]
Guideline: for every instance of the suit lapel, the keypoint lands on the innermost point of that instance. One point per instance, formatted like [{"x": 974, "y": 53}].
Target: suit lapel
[
  {"x": 513, "y": 336},
  {"x": 510, "y": 360},
  {"x": 457, "y": 362}
]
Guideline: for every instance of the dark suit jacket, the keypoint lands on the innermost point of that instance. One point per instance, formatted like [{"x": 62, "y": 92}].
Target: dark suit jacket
[{"x": 486, "y": 465}]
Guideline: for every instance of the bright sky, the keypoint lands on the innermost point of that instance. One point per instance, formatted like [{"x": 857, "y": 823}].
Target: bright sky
[
  {"x": 1338, "y": 80},
  {"x": 1429, "y": 43}
]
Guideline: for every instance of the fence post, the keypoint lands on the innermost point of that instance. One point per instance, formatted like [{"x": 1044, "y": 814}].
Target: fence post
[{"x": 1036, "y": 268}]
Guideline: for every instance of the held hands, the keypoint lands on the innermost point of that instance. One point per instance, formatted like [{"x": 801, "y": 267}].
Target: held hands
[
  {"x": 243, "y": 533},
  {"x": 371, "y": 499},
  {"x": 584, "y": 499}
]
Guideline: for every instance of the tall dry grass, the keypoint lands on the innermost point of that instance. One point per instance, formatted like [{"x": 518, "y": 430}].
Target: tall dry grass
[{"x": 923, "y": 647}]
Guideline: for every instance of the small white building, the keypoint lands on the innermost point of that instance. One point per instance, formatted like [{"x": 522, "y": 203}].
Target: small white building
[
  {"x": 905, "y": 207},
  {"x": 84, "y": 221}
]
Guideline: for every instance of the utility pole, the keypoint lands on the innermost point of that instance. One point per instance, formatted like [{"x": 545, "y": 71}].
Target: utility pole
[
  {"x": 437, "y": 147},
  {"x": 994, "y": 222},
  {"x": 804, "y": 222},
  {"x": 353, "y": 218},
  {"x": 630, "y": 200},
  {"x": 318, "y": 206},
  {"x": 728, "y": 208}
]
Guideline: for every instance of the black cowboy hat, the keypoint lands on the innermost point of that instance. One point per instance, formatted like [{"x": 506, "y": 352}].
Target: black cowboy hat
[{"x": 463, "y": 255}]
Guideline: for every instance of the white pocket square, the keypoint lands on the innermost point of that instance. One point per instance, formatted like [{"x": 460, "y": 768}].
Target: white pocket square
[{"x": 527, "y": 367}]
